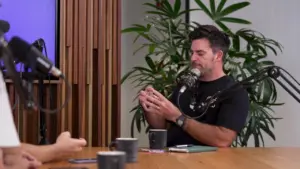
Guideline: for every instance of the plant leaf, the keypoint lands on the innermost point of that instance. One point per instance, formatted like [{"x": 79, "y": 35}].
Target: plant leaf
[
  {"x": 234, "y": 20},
  {"x": 177, "y": 6},
  {"x": 212, "y": 7},
  {"x": 204, "y": 8},
  {"x": 150, "y": 63},
  {"x": 221, "y": 5},
  {"x": 151, "y": 48},
  {"x": 127, "y": 75},
  {"x": 232, "y": 8},
  {"x": 158, "y": 13},
  {"x": 133, "y": 29},
  {"x": 187, "y": 11}
]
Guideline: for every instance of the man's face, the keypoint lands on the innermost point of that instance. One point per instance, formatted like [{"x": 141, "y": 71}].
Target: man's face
[{"x": 202, "y": 56}]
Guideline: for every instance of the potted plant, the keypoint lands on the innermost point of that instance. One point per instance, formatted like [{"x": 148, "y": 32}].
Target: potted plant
[{"x": 168, "y": 57}]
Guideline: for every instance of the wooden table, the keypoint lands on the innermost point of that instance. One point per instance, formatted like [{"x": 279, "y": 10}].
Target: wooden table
[{"x": 226, "y": 158}]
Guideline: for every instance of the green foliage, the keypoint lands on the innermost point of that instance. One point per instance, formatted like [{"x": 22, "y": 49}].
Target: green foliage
[{"x": 168, "y": 57}]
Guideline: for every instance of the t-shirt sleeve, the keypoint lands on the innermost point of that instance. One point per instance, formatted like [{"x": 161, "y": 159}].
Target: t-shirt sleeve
[
  {"x": 234, "y": 111},
  {"x": 8, "y": 131}
]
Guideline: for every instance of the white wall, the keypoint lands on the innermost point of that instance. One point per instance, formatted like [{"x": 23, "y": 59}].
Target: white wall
[
  {"x": 280, "y": 22},
  {"x": 132, "y": 13},
  {"x": 282, "y": 25}
]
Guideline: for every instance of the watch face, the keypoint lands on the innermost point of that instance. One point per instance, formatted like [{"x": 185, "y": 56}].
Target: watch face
[{"x": 180, "y": 122}]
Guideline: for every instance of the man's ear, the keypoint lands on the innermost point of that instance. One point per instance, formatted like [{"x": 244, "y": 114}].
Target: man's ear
[{"x": 219, "y": 55}]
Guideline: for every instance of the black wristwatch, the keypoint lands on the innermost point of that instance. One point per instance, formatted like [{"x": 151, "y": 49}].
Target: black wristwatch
[{"x": 180, "y": 120}]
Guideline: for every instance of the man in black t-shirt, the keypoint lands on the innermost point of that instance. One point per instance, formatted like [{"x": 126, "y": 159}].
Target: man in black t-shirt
[{"x": 223, "y": 119}]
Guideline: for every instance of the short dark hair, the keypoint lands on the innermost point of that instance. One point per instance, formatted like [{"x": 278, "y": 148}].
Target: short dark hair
[{"x": 218, "y": 40}]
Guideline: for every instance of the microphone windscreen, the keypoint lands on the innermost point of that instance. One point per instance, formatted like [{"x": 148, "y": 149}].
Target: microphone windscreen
[
  {"x": 196, "y": 72},
  {"x": 4, "y": 26},
  {"x": 19, "y": 48}
]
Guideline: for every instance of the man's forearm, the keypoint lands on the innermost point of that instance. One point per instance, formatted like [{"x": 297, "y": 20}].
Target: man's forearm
[
  {"x": 155, "y": 120},
  {"x": 1, "y": 159},
  {"x": 208, "y": 134},
  {"x": 44, "y": 153}
]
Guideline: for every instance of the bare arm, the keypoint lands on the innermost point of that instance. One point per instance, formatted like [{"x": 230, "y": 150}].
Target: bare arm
[
  {"x": 231, "y": 119},
  {"x": 44, "y": 153},
  {"x": 155, "y": 120},
  {"x": 209, "y": 134},
  {"x": 15, "y": 158},
  {"x": 64, "y": 147},
  {"x": 1, "y": 159}
]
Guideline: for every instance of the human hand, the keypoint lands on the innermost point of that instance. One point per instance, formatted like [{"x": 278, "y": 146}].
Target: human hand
[
  {"x": 157, "y": 103},
  {"x": 144, "y": 102},
  {"x": 66, "y": 145},
  {"x": 33, "y": 161},
  {"x": 22, "y": 160}
]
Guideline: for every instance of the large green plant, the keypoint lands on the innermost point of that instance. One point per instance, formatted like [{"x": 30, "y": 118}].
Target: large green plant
[{"x": 166, "y": 36}]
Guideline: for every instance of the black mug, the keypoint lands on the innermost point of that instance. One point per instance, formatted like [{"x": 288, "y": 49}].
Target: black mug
[
  {"x": 128, "y": 145},
  {"x": 111, "y": 160},
  {"x": 157, "y": 139}
]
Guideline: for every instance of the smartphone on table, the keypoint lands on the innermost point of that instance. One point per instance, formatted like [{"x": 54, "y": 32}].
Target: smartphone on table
[
  {"x": 68, "y": 168},
  {"x": 82, "y": 160}
]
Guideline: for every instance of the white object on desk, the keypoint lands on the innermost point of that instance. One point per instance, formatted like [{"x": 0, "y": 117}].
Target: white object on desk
[{"x": 8, "y": 133}]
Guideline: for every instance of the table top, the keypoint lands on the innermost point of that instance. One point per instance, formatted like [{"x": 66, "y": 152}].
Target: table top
[{"x": 223, "y": 158}]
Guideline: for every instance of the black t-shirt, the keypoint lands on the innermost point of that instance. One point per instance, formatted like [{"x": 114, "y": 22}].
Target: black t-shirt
[{"x": 230, "y": 112}]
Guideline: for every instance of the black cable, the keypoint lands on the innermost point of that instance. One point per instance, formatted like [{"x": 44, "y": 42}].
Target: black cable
[
  {"x": 272, "y": 72},
  {"x": 16, "y": 95},
  {"x": 49, "y": 77},
  {"x": 178, "y": 101},
  {"x": 66, "y": 101}
]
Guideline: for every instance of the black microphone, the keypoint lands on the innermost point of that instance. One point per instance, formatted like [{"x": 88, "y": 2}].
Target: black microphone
[
  {"x": 189, "y": 80},
  {"x": 39, "y": 44},
  {"x": 7, "y": 56},
  {"x": 29, "y": 54},
  {"x": 4, "y": 26}
]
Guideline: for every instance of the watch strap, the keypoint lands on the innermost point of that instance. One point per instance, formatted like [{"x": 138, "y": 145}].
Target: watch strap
[{"x": 180, "y": 121}]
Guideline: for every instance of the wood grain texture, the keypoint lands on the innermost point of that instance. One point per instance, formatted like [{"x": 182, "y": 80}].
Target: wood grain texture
[
  {"x": 63, "y": 54},
  {"x": 224, "y": 158},
  {"x": 89, "y": 59},
  {"x": 102, "y": 68}
]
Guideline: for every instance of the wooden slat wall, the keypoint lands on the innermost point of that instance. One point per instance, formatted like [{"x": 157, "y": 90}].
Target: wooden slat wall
[{"x": 90, "y": 60}]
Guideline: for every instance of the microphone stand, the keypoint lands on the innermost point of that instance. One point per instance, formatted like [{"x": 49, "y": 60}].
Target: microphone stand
[
  {"x": 43, "y": 127},
  {"x": 39, "y": 44},
  {"x": 272, "y": 71}
]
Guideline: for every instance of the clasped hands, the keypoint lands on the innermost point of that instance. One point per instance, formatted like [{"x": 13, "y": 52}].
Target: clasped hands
[{"x": 154, "y": 102}]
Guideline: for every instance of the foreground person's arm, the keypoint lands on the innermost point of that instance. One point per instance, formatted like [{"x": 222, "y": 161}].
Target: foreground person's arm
[
  {"x": 15, "y": 158},
  {"x": 64, "y": 146},
  {"x": 43, "y": 153}
]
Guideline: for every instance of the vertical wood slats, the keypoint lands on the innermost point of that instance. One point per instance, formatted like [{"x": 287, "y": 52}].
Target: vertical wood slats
[
  {"x": 109, "y": 65},
  {"x": 82, "y": 55},
  {"x": 102, "y": 53},
  {"x": 89, "y": 50},
  {"x": 75, "y": 39},
  {"x": 69, "y": 48},
  {"x": 115, "y": 34},
  {"x": 64, "y": 47},
  {"x": 89, "y": 58}
]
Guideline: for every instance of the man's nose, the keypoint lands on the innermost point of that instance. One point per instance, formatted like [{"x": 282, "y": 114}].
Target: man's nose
[{"x": 193, "y": 57}]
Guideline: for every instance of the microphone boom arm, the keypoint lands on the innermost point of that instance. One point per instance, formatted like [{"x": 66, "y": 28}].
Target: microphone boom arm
[
  {"x": 271, "y": 71},
  {"x": 274, "y": 73}
]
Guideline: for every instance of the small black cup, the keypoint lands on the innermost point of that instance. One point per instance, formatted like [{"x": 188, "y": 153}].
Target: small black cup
[
  {"x": 157, "y": 139},
  {"x": 128, "y": 145},
  {"x": 111, "y": 160}
]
